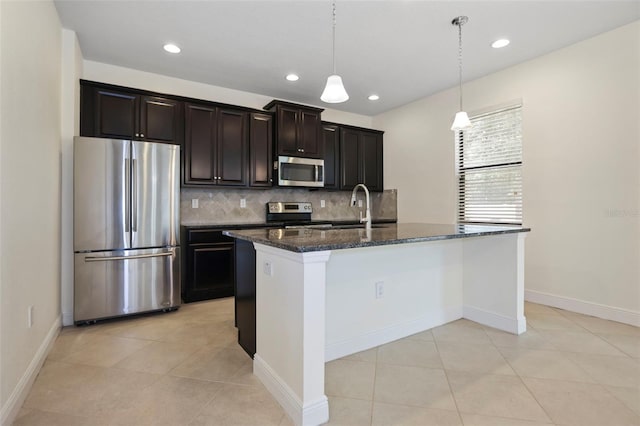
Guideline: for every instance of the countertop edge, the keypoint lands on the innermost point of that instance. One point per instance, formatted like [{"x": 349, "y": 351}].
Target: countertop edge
[{"x": 358, "y": 244}]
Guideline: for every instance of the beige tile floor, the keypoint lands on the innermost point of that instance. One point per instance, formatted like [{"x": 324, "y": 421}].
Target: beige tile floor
[{"x": 185, "y": 368}]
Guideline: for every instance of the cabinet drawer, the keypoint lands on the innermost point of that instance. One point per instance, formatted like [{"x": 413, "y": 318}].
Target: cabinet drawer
[{"x": 207, "y": 236}]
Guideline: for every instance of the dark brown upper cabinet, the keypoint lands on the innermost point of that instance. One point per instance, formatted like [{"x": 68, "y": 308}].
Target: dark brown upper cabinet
[
  {"x": 360, "y": 158},
  {"x": 331, "y": 136},
  {"x": 114, "y": 112},
  {"x": 260, "y": 150},
  {"x": 215, "y": 146},
  {"x": 298, "y": 129}
]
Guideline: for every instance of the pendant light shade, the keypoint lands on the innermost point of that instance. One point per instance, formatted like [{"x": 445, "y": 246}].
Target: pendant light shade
[
  {"x": 334, "y": 92},
  {"x": 461, "y": 121}
]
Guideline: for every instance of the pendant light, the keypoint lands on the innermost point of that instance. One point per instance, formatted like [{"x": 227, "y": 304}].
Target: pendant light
[
  {"x": 334, "y": 92},
  {"x": 461, "y": 121}
]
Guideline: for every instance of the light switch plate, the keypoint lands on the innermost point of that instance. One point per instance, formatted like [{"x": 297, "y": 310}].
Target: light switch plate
[
  {"x": 194, "y": 203},
  {"x": 243, "y": 203},
  {"x": 322, "y": 204}
]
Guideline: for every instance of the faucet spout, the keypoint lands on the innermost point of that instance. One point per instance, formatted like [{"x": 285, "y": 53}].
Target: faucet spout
[{"x": 367, "y": 217}]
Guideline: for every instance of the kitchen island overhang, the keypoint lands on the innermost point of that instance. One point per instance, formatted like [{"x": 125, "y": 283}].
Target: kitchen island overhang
[{"x": 318, "y": 298}]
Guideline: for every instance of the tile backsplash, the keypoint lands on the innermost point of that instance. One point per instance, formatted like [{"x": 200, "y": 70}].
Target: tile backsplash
[{"x": 222, "y": 206}]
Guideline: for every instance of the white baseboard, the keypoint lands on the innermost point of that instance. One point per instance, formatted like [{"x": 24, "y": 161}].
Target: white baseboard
[
  {"x": 67, "y": 318},
  {"x": 16, "y": 399},
  {"x": 491, "y": 319},
  {"x": 389, "y": 334},
  {"x": 587, "y": 308},
  {"x": 314, "y": 413}
]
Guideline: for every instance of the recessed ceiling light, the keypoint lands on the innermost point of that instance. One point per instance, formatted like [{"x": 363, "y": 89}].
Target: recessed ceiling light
[
  {"x": 292, "y": 77},
  {"x": 500, "y": 43},
  {"x": 171, "y": 48},
  {"x": 373, "y": 97}
]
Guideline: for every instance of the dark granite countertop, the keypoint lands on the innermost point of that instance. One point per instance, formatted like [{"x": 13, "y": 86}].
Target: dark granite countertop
[
  {"x": 274, "y": 224},
  {"x": 310, "y": 239}
]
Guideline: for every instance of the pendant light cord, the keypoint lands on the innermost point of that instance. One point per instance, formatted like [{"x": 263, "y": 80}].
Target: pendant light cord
[
  {"x": 334, "y": 37},
  {"x": 460, "y": 59}
]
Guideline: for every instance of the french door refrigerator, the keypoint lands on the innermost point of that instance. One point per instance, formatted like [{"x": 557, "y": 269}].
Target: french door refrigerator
[{"x": 126, "y": 227}]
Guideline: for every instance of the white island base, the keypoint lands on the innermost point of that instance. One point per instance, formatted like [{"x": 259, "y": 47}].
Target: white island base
[{"x": 317, "y": 306}]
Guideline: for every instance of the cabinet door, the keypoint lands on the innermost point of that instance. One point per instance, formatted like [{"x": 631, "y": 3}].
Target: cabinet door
[
  {"x": 349, "y": 158},
  {"x": 371, "y": 160},
  {"x": 287, "y": 133},
  {"x": 331, "y": 156},
  {"x": 232, "y": 148},
  {"x": 116, "y": 114},
  {"x": 260, "y": 148},
  {"x": 159, "y": 119},
  {"x": 200, "y": 134},
  {"x": 310, "y": 135},
  {"x": 210, "y": 272}
]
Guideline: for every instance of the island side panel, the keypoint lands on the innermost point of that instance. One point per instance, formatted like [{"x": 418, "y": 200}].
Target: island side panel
[
  {"x": 494, "y": 281},
  {"x": 422, "y": 289},
  {"x": 290, "y": 330}
]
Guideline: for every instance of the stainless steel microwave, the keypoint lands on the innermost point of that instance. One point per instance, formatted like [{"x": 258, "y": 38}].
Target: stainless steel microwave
[{"x": 297, "y": 171}]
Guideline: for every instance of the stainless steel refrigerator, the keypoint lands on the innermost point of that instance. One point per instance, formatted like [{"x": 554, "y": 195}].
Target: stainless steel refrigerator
[{"x": 126, "y": 227}]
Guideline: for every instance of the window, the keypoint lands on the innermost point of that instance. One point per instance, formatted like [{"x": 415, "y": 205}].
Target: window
[{"x": 489, "y": 168}]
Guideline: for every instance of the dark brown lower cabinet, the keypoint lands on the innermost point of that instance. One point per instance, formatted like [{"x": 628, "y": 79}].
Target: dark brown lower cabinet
[
  {"x": 245, "y": 269},
  {"x": 208, "y": 265}
]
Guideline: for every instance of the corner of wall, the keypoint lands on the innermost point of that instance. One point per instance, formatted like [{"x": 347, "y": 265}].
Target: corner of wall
[{"x": 72, "y": 64}]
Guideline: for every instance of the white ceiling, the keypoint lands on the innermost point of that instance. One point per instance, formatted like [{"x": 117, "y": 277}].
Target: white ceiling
[{"x": 402, "y": 50}]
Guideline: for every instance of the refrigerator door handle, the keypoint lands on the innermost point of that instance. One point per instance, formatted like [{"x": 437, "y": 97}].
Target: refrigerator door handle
[
  {"x": 134, "y": 197},
  {"x": 137, "y": 256},
  {"x": 127, "y": 195}
]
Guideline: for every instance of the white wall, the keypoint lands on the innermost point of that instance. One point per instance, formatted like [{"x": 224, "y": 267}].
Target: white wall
[
  {"x": 581, "y": 140},
  {"x": 30, "y": 36},
  {"x": 112, "y": 74},
  {"x": 70, "y": 127}
]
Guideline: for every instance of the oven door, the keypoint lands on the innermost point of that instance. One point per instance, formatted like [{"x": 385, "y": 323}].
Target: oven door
[{"x": 296, "y": 171}]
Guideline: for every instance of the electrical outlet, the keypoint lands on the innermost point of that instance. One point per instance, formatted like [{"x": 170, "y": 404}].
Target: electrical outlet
[
  {"x": 359, "y": 203},
  {"x": 267, "y": 268},
  {"x": 379, "y": 289},
  {"x": 30, "y": 316},
  {"x": 243, "y": 203},
  {"x": 322, "y": 204},
  {"x": 194, "y": 203}
]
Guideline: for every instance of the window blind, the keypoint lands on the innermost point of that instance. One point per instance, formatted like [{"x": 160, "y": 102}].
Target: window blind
[{"x": 489, "y": 167}]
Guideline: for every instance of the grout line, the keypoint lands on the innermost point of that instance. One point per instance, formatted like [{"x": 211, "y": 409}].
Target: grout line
[
  {"x": 373, "y": 394},
  {"x": 446, "y": 375}
]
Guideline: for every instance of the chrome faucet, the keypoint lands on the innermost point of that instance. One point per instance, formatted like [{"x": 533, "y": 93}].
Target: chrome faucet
[{"x": 367, "y": 217}]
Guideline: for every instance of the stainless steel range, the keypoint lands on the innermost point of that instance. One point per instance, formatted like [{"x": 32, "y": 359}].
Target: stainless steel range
[{"x": 295, "y": 214}]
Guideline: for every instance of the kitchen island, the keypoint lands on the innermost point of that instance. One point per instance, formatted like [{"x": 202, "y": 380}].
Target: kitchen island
[{"x": 322, "y": 294}]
